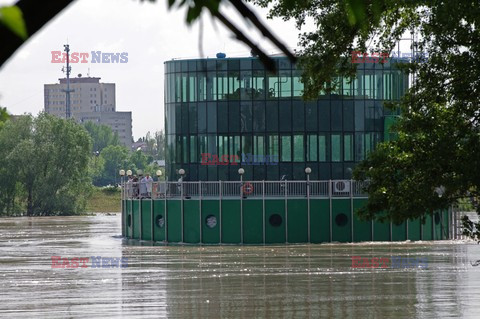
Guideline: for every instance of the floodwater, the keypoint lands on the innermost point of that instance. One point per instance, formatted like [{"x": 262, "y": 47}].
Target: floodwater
[{"x": 293, "y": 281}]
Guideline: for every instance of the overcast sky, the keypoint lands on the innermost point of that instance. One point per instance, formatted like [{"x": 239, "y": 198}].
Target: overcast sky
[{"x": 147, "y": 31}]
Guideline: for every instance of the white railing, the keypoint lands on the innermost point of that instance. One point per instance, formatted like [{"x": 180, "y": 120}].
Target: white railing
[{"x": 255, "y": 189}]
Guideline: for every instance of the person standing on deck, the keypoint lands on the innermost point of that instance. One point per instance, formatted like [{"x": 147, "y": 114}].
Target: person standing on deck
[
  {"x": 135, "y": 186},
  {"x": 129, "y": 187},
  {"x": 143, "y": 187},
  {"x": 149, "y": 184}
]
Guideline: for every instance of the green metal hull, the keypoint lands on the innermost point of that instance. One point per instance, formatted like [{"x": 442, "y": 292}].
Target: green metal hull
[{"x": 267, "y": 221}]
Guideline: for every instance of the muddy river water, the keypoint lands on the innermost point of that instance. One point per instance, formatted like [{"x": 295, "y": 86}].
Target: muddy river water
[{"x": 156, "y": 281}]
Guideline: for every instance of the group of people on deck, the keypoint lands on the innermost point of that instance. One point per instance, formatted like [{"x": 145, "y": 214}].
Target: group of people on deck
[{"x": 139, "y": 189}]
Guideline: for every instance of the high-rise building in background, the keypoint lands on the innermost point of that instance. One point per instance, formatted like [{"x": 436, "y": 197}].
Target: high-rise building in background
[{"x": 90, "y": 101}]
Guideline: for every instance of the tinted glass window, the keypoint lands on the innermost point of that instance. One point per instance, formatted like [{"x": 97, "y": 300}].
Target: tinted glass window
[
  {"x": 234, "y": 117},
  {"x": 202, "y": 117},
  {"x": 258, "y": 116},
  {"x": 271, "y": 116},
  {"x": 285, "y": 116},
  {"x": 298, "y": 116},
  {"x": 322, "y": 148},
  {"x": 336, "y": 115},
  {"x": 298, "y": 151},
  {"x": 312, "y": 148},
  {"x": 286, "y": 149},
  {"x": 336, "y": 147},
  {"x": 348, "y": 148},
  {"x": 246, "y": 116}
]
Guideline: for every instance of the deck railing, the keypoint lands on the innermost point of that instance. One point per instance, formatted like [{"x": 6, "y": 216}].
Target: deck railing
[{"x": 249, "y": 189}]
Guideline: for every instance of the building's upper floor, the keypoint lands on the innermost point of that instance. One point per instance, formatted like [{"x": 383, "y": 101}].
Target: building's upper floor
[
  {"x": 88, "y": 95},
  {"x": 246, "y": 79}
]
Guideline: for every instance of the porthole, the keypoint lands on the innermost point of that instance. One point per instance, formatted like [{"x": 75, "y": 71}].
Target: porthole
[
  {"x": 341, "y": 220},
  {"x": 159, "y": 221},
  {"x": 211, "y": 221},
  {"x": 275, "y": 220}
]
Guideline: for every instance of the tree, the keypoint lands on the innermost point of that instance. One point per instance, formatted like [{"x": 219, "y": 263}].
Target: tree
[
  {"x": 102, "y": 136},
  {"x": 435, "y": 159},
  {"x": 44, "y": 163},
  {"x": 160, "y": 144},
  {"x": 115, "y": 158},
  {"x": 3, "y": 116},
  {"x": 155, "y": 145},
  {"x": 138, "y": 160}
]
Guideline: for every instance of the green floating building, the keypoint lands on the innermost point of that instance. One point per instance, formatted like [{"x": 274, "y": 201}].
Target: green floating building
[{"x": 250, "y": 162}]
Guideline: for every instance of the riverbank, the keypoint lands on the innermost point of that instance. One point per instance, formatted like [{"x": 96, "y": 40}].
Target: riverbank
[{"x": 104, "y": 200}]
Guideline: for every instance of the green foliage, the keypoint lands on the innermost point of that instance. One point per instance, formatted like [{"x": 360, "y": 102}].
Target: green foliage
[
  {"x": 110, "y": 189},
  {"x": 465, "y": 205},
  {"x": 3, "y": 116},
  {"x": 12, "y": 18},
  {"x": 114, "y": 159},
  {"x": 102, "y": 136},
  {"x": 470, "y": 228},
  {"x": 44, "y": 165},
  {"x": 155, "y": 144},
  {"x": 438, "y": 133},
  {"x": 138, "y": 160}
]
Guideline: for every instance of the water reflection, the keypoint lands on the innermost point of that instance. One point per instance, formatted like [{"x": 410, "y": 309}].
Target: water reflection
[{"x": 224, "y": 281}]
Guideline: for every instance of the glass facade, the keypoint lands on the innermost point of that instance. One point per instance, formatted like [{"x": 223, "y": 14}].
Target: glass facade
[{"x": 233, "y": 107}]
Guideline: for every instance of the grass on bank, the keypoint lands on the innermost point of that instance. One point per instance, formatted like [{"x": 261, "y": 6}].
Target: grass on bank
[{"x": 104, "y": 200}]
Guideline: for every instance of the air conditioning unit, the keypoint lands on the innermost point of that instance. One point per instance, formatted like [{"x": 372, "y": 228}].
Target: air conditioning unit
[{"x": 341, "y": 186}]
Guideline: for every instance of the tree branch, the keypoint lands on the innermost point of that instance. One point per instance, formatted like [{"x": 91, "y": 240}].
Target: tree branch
[
  {"x": 266, "y": 60},
  {"x": 249, "y": 14}
]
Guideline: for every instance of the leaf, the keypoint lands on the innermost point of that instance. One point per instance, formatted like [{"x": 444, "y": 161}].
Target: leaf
[{"x": 12, "y": 18}]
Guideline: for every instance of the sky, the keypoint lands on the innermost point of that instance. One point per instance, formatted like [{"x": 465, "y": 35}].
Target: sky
[{"x": 148, "y": 32}]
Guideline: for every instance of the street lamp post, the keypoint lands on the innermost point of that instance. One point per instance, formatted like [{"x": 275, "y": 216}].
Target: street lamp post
[
  {"x": 308, "y": 171},
  {"x": 129, "y": 185},
  {"x": 241, "y": 171},
  {"x": 440, "y": 192},
  {"x": 159, "y": 174},
  {"x": 122, "y": 192},
  {"x": 182, "y": 173}
]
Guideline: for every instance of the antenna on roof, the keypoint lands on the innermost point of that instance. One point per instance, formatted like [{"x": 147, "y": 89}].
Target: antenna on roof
[{"x": 67, "y": 91}]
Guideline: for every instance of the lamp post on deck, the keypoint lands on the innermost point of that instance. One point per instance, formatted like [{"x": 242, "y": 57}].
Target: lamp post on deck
[
  {"x": 122, "y": 192},
  {"x": 440, "y": 192},
  {"x": 159, "y": 174},
  {"x": 129, "y": 183},
  {"x": 181, "y": 171},
  {"x": 241, "y": 171},
  {"x": 122, "y": 175},
  {"x": 308, "y": 171},
  {"x": 122, "y": 182}
]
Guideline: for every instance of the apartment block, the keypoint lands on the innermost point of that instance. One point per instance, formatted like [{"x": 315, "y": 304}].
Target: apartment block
[{"x": 90, "y": 100}]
